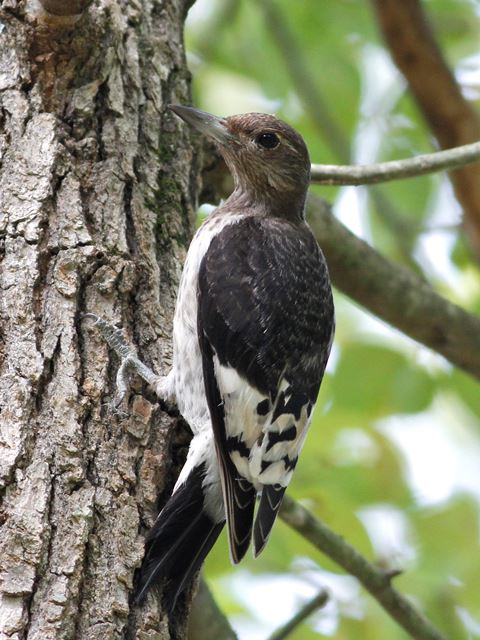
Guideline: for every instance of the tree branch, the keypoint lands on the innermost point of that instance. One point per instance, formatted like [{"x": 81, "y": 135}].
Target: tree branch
[
  {"x": 312, "y": 605},
  {"x": 375, "y": 581},
  {"x": 206, "y": 619},
  {"x": 330, "y": 174},
  {"x": 394, "y": 294},
  {"x": 452, "y": 118}
]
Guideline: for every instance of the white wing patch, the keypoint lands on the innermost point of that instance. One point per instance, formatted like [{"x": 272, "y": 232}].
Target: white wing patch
[{"x": 263, "y": 440}]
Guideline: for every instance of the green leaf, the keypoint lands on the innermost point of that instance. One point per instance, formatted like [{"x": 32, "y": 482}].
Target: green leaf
[{"x": 375, "y": 381}]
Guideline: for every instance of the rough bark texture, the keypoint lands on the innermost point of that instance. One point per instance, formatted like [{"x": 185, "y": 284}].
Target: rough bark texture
[
  {"x": 452, "y": 119},
  {"x": 65, "y": 7},
  {"x": 96, "y": 188}
]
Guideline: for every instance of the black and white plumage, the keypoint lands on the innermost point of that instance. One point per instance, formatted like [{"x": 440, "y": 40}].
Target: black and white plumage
[{"x": 252, "y": 333}]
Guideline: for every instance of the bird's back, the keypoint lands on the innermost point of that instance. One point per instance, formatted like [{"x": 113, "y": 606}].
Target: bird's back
[{"x": 265, "y": 324}]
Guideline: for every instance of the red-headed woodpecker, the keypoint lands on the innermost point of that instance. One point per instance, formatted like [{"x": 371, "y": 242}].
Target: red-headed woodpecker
[{"x": 253, "y": 328}]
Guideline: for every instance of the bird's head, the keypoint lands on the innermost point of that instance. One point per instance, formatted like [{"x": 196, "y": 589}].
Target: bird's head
[{"x": 268, "y": 159}]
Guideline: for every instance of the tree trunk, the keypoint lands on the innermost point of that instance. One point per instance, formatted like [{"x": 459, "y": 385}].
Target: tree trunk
[{"x": 97, "y": 190}]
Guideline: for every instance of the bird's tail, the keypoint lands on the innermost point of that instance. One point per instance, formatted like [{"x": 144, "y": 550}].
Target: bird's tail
[{"x": 179, "y": 541}]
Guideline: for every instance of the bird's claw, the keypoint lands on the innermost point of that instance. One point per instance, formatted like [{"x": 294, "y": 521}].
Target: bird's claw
[
  {"x": 112, "y": 335},
  {"x": 127, "y": 354}
]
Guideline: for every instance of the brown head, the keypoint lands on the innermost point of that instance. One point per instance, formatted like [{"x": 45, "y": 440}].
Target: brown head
[{"x": 268, "y": 159}]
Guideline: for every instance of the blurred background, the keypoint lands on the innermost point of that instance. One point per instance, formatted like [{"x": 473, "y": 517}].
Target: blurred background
[{"x": 392, "y": 461}]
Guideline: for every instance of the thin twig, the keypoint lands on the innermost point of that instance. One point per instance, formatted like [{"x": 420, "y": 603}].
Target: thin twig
[
  {"x": 330, "y": 174},
  {"x": 312, "y": 605},
  {"x": 395, "y": 294},
  {"x": 390, "y": 291},
  {"x": 376, "y": 581}
]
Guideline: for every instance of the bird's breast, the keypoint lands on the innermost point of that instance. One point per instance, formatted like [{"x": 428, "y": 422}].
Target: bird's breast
[{"x": 187, "y": 359}]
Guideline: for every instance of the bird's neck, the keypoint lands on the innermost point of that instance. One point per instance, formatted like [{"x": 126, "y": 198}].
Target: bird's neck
[{"x": 289, "y": 205}]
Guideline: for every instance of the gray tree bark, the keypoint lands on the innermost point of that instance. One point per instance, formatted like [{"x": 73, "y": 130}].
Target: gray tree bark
[{"x": 97, "y": 191}]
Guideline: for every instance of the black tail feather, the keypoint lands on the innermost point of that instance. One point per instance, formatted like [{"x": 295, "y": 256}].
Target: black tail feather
[
  {"x": 240, "y": 505},
  {"x": 178, "y": 543},
  {"x": 272, "y": 496}
]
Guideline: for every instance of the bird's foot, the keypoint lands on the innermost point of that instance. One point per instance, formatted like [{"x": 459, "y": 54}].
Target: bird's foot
[{"x": 128, "y": 357}]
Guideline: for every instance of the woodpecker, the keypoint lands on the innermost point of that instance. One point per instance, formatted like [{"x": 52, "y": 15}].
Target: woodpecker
[{"x": 253, "y": 328}]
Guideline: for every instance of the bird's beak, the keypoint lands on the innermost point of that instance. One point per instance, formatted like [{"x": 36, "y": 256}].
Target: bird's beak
[{"x": 208, "y": 124}]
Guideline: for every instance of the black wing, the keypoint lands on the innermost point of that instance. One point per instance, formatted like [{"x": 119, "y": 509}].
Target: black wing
[
  {"x": 239, "y": 494},
  {"x": 265, "y": 310}
]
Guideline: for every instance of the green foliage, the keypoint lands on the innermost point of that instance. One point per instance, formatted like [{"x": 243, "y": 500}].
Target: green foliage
[
  {"x": 398, "y": 386},
  {"x": 349, "y": 462}
]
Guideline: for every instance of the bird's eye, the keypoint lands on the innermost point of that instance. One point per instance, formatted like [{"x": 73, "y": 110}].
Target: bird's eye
[{"x": 267, "y": 140}]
